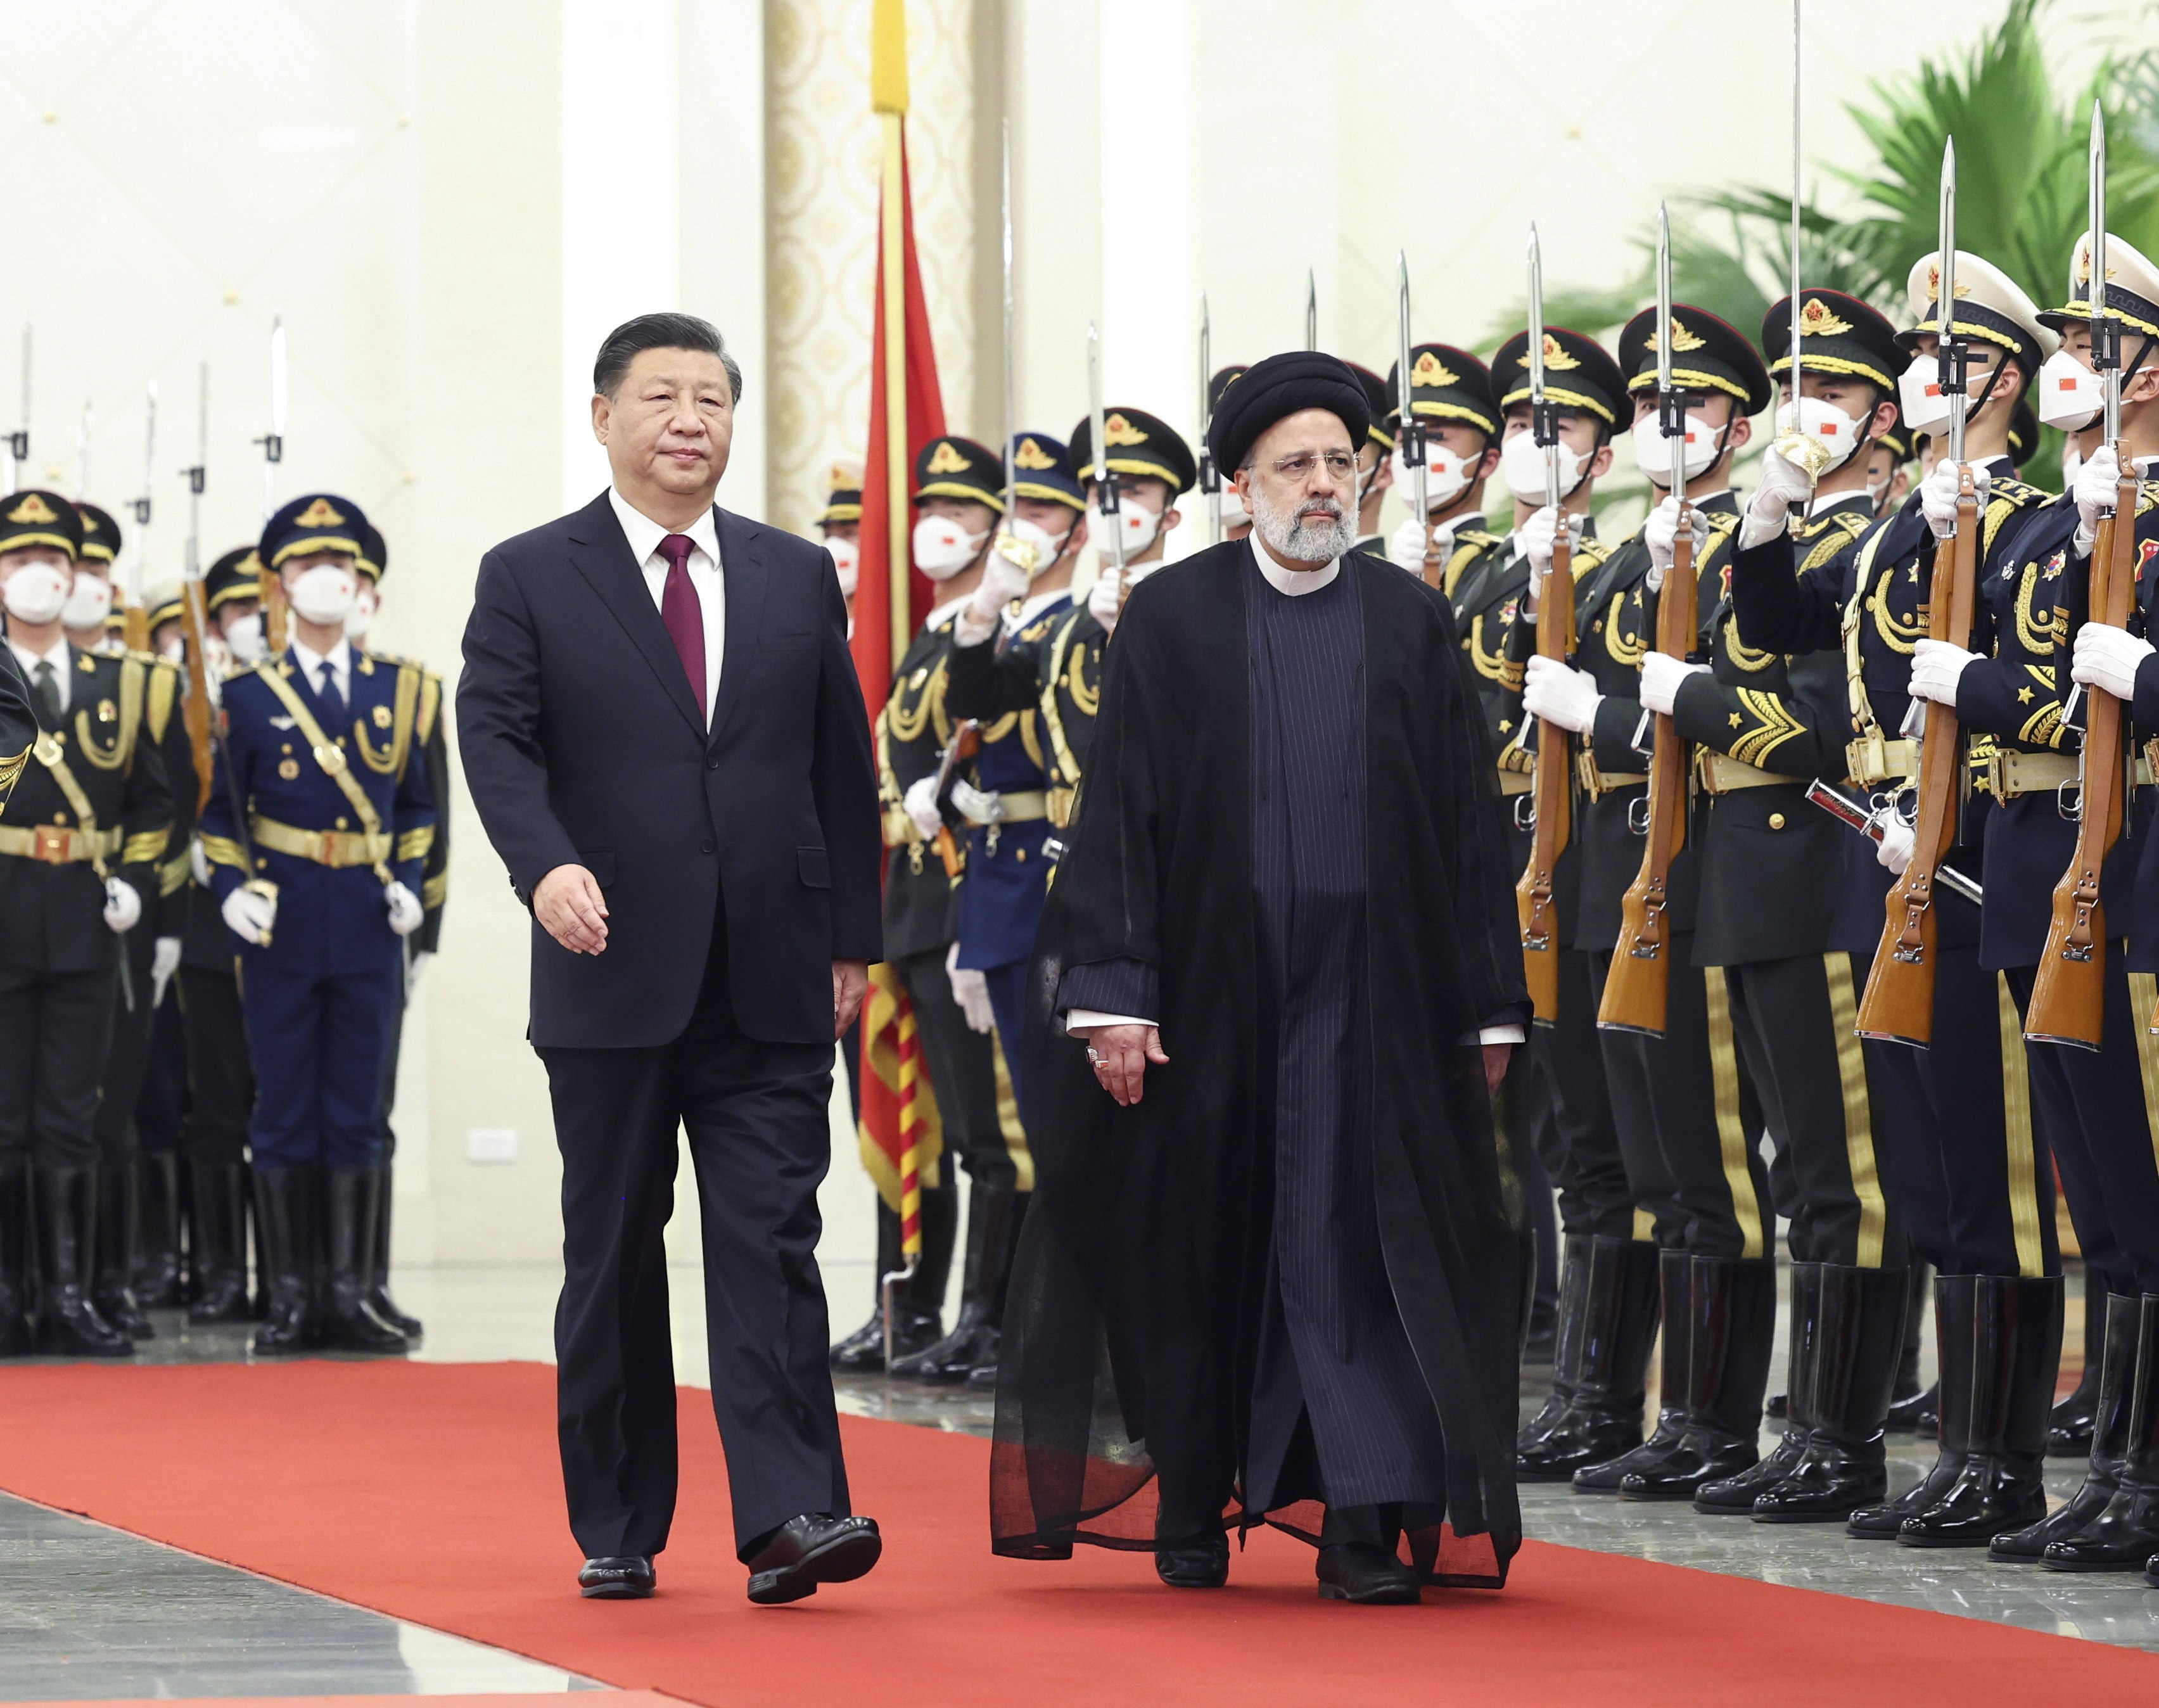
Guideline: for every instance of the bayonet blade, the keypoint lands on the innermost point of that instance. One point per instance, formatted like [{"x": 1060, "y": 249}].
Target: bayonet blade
[
  {"x": 1795, "y": 213},
  {"x": 1536, "y": 350},
  {"x": 1210, "y": 477},
  {"x": 1311, "y": 311},
  {"x": 1945, "y": 338},
  {"x": 2105, "y": 333},
  {"x": 1011, "y": 423},
  {"x": 1105, "y": 483},
  {"x": 1411, "y": 429}
]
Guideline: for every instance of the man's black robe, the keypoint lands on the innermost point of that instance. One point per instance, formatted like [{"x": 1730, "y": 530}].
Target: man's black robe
[{"x": 1148, "y": 1304}]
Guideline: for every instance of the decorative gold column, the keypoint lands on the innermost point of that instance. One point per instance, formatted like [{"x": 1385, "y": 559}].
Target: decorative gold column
[{"x": 821, "y": 228}]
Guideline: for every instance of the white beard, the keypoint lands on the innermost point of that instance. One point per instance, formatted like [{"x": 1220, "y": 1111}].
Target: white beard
[{"x": 1307, "y": 539}]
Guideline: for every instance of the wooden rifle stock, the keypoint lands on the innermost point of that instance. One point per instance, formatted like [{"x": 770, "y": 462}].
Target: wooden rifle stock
[
  {"x": 966, "y": 741},
  {"x": 1553, "y": 794},
  {"x": 1636, "y": 987},
  {"x": 196, "y": 713},
  {"x": 1899, "y": 1003},
  {"x": 2068, "y": 997}
]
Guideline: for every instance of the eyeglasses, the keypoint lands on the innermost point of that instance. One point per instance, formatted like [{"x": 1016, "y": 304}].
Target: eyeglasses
[{"x": 1340, "y": 465}]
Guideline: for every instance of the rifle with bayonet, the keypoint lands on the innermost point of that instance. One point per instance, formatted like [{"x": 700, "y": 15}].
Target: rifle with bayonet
[
  {"x": 195, "y": 612},
  {"x": 136, "y": 631},
  {"x": 19, "y": 442},
  {"x": 272, "y": 589},
  {"x": 1899, "y": 1003},
  {"x": 1107, "y": 503},
  {"x": 1411, "y": 432},
  {"x": 1552, "y": 788},
  {"x": 1637, "y": 988},
  {"x": 1210, "y": 477},
  {"x": 2068, "y": 997}
]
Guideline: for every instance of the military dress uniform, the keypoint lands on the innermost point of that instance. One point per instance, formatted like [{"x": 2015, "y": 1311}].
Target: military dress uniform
[
  {"x": 93, "y": 804},
  {"x": 1952, "y": 1123},
  {"x": 337, "y": 810}
]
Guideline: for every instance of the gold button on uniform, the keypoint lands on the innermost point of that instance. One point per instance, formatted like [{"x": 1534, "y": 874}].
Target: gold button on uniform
[
  {"x": 1776, "y": 821},
  {"x": 289, "y": 769}
]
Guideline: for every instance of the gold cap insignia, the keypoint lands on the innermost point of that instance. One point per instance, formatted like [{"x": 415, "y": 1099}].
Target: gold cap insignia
[
  {"x": 1030, "y": 455},
  {"x": 321, "y": 514},
  {"x": 946, "y": 460},
  {"x": 1682, "y": 339},
  {"x": 1816, "y": 320},
  {"x": 1557, "y": 355},
  {"x": 1430, "y": 371},
  {"x": 845, "y": 477},
  {"x": 2083, "y": 264},
  {"x": 1117, "y": 430},
  {"x": 33, "y": 510},
  {"x": 1934, "y": 281}
]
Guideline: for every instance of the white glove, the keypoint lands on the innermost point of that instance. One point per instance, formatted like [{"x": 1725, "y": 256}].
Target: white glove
[
  {"x": 1894, "y": 850},
  {"x": 1661, "y": 535},
  {"x": 2108, "y": 659},
  {"x": 1780, "y": 484},
  {"x": 1102, "y": 600},
  {"x": 1565, "y": 696},
  {"x": 406, "y": 912},
  {"x": 970, "y": 990},
  {"x": 1661, "y": 676},
  {"x": 198, "y": 862},
  {"x": 978, "y": 806},
  {"x": 1936, "y": 665},
  {"x": 921, "y": 804},
  {"x": 124, "y": 907},
  {"x": 1938, "y": 495},
  {"x": 1406, "y": 545},
  {"x": 2093, "y": 489},
  {"x": 250, "y": 915},
  {"x": 1536, "y": 537},
  {"x": 165, "y": 962},
  {"x": 413, "y": 969},
  {"x": 1003, "y": 581}
]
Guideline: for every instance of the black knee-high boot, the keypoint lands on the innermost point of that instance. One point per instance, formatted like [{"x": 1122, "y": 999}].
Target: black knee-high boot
[
  {"x": 1843, "y": 1465},
  {"x": 2110, "y": 1426},
  {"x": 1674, "y": 1323},
  {"x": 2126, "y": 1533},
  {"x": 1733, "y": 1333},
  {"x": 1608, "y": 1322},
  {"x": 68, "y": 1322},
  {"x": 919, "y": 1308},
  {"x": 1736, "y": 1495},
  {"x": 157, "y": 1206}
]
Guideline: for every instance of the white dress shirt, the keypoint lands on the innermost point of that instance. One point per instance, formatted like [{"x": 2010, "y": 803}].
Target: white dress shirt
[
  {"x": 1294, "y": 583},
  {"x": 57, "y": 658},
  {"x": 644, "y": 536},
  {"x": 339, "y": 658}
]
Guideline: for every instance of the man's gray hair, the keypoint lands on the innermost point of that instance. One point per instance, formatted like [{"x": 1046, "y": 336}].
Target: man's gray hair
[{"x": 659, "y": 332}]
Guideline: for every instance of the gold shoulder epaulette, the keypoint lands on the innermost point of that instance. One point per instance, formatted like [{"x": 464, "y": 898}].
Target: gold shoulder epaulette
[{"x": 164, "y": 692}]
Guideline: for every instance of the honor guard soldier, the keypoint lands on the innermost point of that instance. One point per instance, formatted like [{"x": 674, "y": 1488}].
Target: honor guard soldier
[
  {"x": 958, "y": 497},
  {"x": 1684, "y": 1106},
  {"x": 1609, "y": 1265},
  {"x": 1952, "y": 1123},
  {"x": 1375, "y": 459},
  {"x": 220, "y": 1078},
  {"x": 1025, "y": 587},
  {"x": 319, "y": 883},
  {"x": 1889, "y": 467},
  {"x": 1450, "y": 393},
  {"x": 79, "y": 842},
  {"x": 91, "y": 607},
  {"x": 1236, "y": 520},
  {"x": 2112, "y": 1522},
  {"x": 840, "y": 526},
  {"x": 421, "y": 946},
  {"x": 1765, "y": 725}
]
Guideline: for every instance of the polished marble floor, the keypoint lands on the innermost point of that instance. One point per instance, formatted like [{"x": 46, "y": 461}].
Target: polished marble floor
[{"x": 87, "y": 1611}]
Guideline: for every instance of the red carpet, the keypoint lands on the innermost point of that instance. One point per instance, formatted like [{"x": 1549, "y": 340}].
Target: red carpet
[{"x": 431, "y": 1491}]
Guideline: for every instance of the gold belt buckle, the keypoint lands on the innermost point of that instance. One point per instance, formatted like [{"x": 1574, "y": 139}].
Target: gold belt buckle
[{"x": 52, "y": 844}]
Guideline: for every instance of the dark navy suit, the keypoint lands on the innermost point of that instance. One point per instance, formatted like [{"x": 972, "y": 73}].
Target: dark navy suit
[{"x": 323, "y": 995}]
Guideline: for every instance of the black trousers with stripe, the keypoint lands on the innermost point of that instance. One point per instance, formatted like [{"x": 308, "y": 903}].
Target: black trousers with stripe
[{"x": 1689, "y": 1123}]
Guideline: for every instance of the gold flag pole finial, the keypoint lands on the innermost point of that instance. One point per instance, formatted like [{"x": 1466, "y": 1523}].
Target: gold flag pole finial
[{"x": 888, "y": 56}]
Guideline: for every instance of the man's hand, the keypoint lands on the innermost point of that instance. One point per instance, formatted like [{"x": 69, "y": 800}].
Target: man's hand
[
  {"x": 978, "y": 806},
  {"x": 1565, "y": 696},
  {"x": 2093, "y": 489},
  {"x": 251, "y": 914},
  {"x": 1119, "y": 1055},
  {"x": 1406, "y": 545},
  {"x": 405, "y": 912},
  {"x": 920, "y": 803},
  {"x": 1894, "y": 850},
  {"x": 1780, "y": 486},
  {"x": 1661, "y": 535},
  {"x": 970, "y": 990},
  {"x": 1003, "y": 581},
  {"x": 1936, "y": 667},
  {"x": 1938, "y": 495},
  {"x": 1497, "y": 1056},
  {"x": 1102, "y": 598},
  {"x": 571, "y": 909},
  {"x": 850, "y": 978},
  {"x": 2109, "y": 658},
  {"x": 1661, "y": 676},
  {"x": 165, "y": 962},
  {"x": 123, "y": 905}
]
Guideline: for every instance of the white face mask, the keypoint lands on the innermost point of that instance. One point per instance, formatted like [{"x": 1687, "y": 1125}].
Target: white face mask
[
  {"x": 1138, "y": 524},
  {"x": 1445, "y": 475},
  {"x": 942, "y": 548},
  {"x": 1048, "y": 547},
  {"x": 848, "y": 560},
  {"x": 89, "y": 602},
  {"x": 361, "y": 618},
  {"x": 1919, "y": 390},
  {"x": 1702, "y": 444},
  {"x": 1821, "y": 422},
  {"x": 37, "y": 593},
  {"x": 1522, "y": 466},
  {"x": 173, "y": 650},
  {"x": 325, "y": 593},
  {"x": 2069, "y": 394},
  {"x": 244, "y": 636}
]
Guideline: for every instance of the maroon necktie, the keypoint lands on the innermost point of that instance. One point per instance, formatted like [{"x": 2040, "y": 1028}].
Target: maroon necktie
[{"x": 680, "y": 610}]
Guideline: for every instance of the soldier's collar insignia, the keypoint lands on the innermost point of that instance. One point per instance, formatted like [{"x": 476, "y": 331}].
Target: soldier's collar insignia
[
  {"x": 1430, "y": 371},
  {"x": 1117, "y": 430},
  {"x": 1030, "y": 455},
  {"x": 1816, "y": 321},
  {"x": 87, "y": 663},
  {"x": 321, "y": 514},
  {"x": 1557, "y": 355},
  {"x": 33, "y": 509},
  {"x": 1682, "y": 339},
  {"x": 946, "y": 460}
]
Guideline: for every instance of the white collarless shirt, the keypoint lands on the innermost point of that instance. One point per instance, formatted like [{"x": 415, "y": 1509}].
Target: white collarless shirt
[
  {"x": 1294, "y": 582},
  {"x": 339, "y": 658},
  {"x": 57, "y": 658},
  {"x": 706, "y": 577}
]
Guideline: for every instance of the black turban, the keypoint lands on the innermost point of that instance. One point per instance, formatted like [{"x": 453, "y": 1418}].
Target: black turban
[{"x": 1268, "y": 391}]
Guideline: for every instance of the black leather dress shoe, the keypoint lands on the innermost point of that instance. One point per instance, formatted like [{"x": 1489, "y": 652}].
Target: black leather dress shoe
[
  {"x": 809, "y": 1549},
  {"x": 617, "y": 1577},
  {"x": 1365, "y": 1572},
  {"x": 1194, "y": 1564}
]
